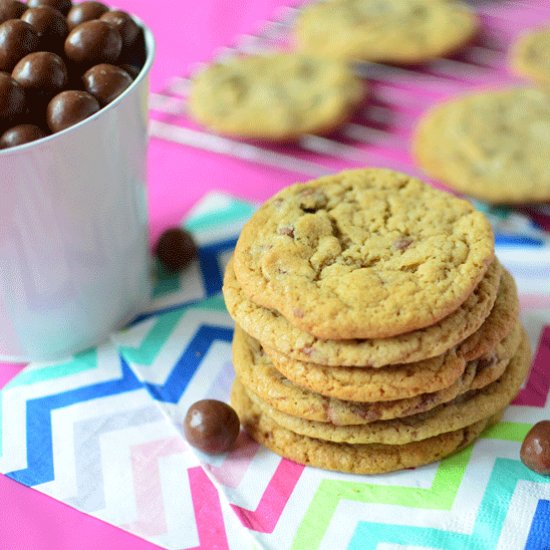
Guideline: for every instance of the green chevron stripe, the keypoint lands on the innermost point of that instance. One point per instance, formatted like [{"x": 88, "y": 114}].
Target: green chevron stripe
[
  {"x": 165, "y": 324},
  {"x": 237, "y": 210},
  {"x": 79, "y": 363},
  {"x": 440, "y": 496}
]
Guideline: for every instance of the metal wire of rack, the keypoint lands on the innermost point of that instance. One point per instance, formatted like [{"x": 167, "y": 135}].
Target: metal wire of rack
[{"x": 380, "y": 133}]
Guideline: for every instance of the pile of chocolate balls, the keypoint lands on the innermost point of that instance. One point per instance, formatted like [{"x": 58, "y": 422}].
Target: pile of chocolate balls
[{"x": 60, "y": 63}]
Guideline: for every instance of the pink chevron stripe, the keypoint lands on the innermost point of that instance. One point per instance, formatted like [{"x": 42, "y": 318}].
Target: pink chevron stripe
[
  {"x": 208, "y": 511},
  {"x": 147, "y": 485},
  {"x": 535, "y": 392},
  {"x": 236, "y": 463},
  {"x": 273, "y": 501},
  {"x": 534, "y": 301}
]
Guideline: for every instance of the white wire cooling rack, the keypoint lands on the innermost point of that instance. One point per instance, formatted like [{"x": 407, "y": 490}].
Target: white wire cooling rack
[{"x": 379, "y": 134}]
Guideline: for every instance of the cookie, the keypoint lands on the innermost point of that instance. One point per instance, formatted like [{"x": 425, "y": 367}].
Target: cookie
[
  {"x": 259, "y": 376},
  {"x": 358, "y": 459},
  {"x": 275, "y": 332},
  {"x": 385, "y": 384},
  {"x": 367, "y": 384},
  {"x": 459, "y": 413},
  {"x": 277, "y": 97},
  {"x": 490, "y": 145},
  {"x": 366, "y": 253},
  {"x": 529, "y": 56},
  {"x": 393, "y": 31},
  {"x": 498, "y": 324}
]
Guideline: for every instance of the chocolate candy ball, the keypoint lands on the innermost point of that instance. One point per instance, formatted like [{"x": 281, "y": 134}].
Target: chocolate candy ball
[
  {"x": 43, "y": 72},
  {"x": 12, "y": 98},
  {"x": 85, "y": 11},
  {"x": 18, "y": 135},
  {"x": 10, "y": 9},
  {"x": 132, "y": 70},
  {"x": 535, "y": 451},
  {"x": 211, "y": 426},
  {"x": 92, "y": 43},
  {"x": 17, "y": 39},
  {"x": 106, "y": 82},
  {"x": 50, "y": 25},
  {"x": 62, "y": 5},
  {"x": 69, "y": 108},
  {"x": 175, "y": 249},
  {"x": 125, "y": 25}
]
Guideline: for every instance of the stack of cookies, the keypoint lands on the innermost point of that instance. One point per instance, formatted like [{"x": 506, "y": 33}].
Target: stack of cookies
[{"x": 375, "y": 329}]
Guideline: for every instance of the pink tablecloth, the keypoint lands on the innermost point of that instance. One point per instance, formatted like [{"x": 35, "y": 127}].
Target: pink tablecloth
[{"x": 186, "y": 32}]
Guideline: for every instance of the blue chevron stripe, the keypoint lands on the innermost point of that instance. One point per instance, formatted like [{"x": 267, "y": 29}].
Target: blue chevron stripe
[
  {"x": 39, "y": 427},
  {"x": 492, "y": 513},
  {"x": 539, "y": 534},
  {"x": 210, "y": 265},
  {"x": 188, "y": 363}
]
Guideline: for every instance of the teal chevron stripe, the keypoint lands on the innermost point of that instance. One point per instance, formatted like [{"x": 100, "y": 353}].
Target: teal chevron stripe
[
  {"x": 80, "y": 363},
  {"x": 488, "y": 526},
  {"x": 166, "y": 282},
  {"x": 235, "y": 211},
  {"x": 162, "y": 329}
]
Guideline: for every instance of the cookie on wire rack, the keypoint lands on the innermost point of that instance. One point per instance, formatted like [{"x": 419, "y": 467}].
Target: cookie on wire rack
[
  {"x": 389, "y": 31},
  {"x": 492, "y": 145},
  {"x": 530, "y": 56},
  {"x": 275, "y": 97}
]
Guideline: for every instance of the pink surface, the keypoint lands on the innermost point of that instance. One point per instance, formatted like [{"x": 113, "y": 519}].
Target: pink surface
[{"x": 186, "y": 32}]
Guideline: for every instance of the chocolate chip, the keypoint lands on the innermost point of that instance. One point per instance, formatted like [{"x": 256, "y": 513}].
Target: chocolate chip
[
  {"x": 535, "y": 451},
  {"x": 92, "y": 43},
  {"x": 211, "y": 426},
  {"x": 403, "y": 243},
  {"x": 18, "y": 135},
  {"x": 287, "y": 230},
  {"x": 106, "y": 82},
  {"x": 42, "y": 72},
  {"x": 62, "y": 5},
  {"x": 17, "y": 39},
  {"x": 85, "y": 11},
  {"x": 175, "y": 249},
  {"x": 12, "y": 97},
  {"x": 50, "y": 25},
  {"x": 69, "y": 108},
  {"x": 10, "y": 9},
  {"x": 124, "y": 24}
]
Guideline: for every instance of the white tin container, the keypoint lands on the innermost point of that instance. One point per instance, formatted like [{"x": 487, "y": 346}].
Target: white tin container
[{"x": 74, "y": 256}]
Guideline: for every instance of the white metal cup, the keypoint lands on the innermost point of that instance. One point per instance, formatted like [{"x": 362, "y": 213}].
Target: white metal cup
[{"x": 74, "y": 256}]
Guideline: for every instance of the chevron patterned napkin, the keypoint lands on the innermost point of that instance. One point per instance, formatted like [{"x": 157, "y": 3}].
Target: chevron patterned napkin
[{"x": 102, "y": 433}]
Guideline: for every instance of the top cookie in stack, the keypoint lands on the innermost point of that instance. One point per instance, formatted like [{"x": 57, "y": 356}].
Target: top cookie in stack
[{"x": 379, "y": 331}]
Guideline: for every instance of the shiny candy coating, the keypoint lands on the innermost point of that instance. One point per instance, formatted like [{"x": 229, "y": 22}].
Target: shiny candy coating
[
  {"x": 50, "y": 25},
  {"x": 93, "y": 42},
  {"x": 69, "y": 108},
  {"x": 175, "y": 249},
  {"x": 10, "y": 9},
  {"x": 106, "y": 82},
  {"x": 211, "y": 426},
  {"x": 535, "y": 451},
  {"x": 125, "y": 25},
  {"x": 44, "y": 72},
  {"x": 17, "y": 39},
  {"x": 85, "y": 11},
  {"x": 62, "y": 5},
  {"x": 21, "y": 134},
  {"x": 12, "y": 97}
]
